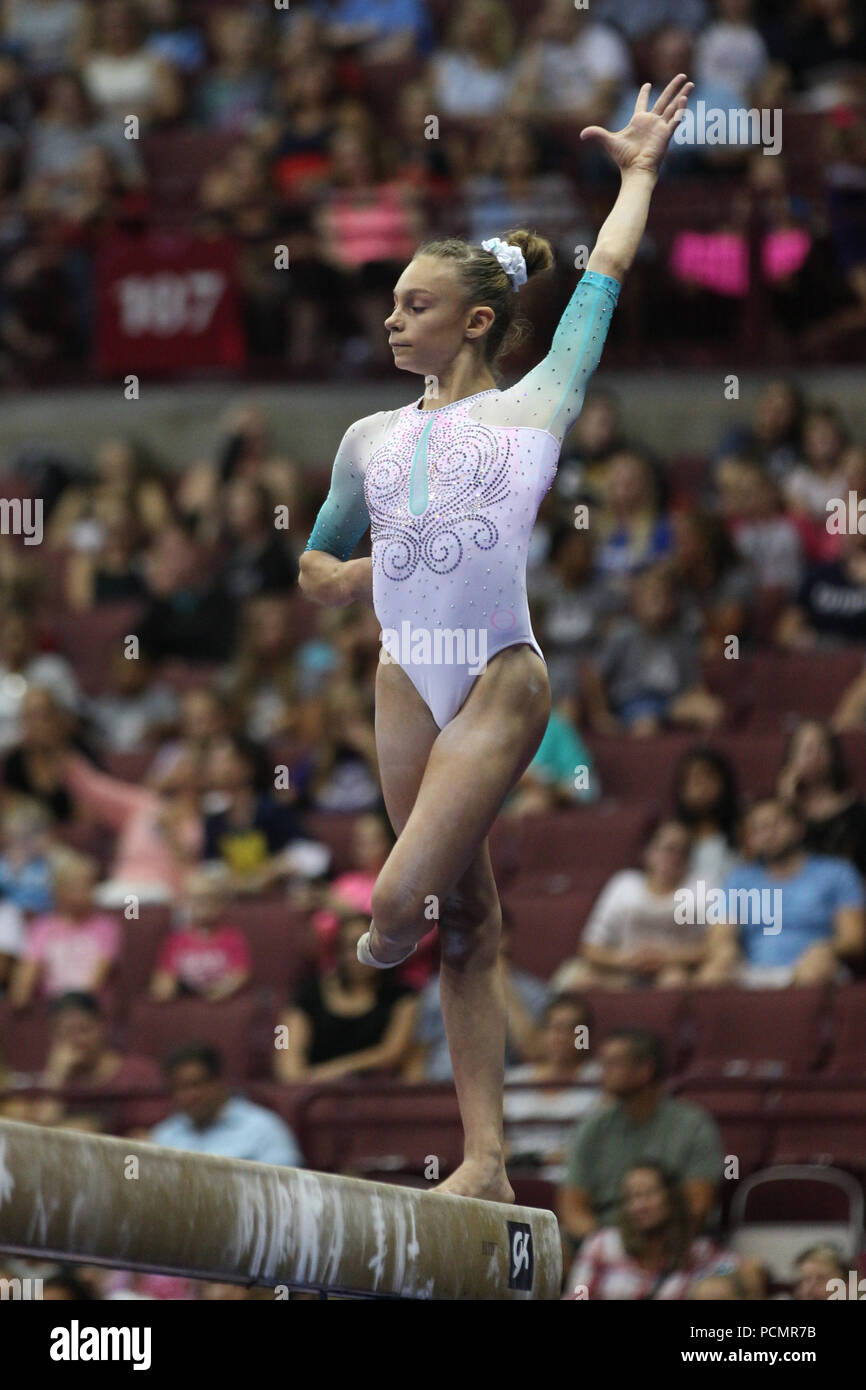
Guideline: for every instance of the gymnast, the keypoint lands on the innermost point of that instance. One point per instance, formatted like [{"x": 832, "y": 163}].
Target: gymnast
[{"x": 450, "y": 487}]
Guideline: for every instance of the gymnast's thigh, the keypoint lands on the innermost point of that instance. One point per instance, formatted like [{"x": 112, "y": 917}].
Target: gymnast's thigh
[{"x": 405, "y": 734}]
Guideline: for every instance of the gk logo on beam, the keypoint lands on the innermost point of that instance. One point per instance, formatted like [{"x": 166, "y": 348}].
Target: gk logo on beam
[{"x": 522, "y": 1260}]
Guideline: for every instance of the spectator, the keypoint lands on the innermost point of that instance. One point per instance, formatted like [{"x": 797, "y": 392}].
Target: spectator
[
  {"x": 257, "y": 559},
  {"x": 262, "y": 683},
  {"x": 851, "y": 709},
  {"x": 830, "y": 607},
  {"x": 188, "y": 616},
  {"x": 811, "y": 485},
  {"x": 366, "y": 227},
  {"x": 158, "y": 828},
  {"x": 72, "y": 949},
  {"x": 35, "y": 767},
  {"x": 511, "y": 189},
  {"x": 595, "y": 437},
  {"x": 26, "y": 870},
  {"x": 572, "y": 65},
  {"x": 204, "y": 718},
  {"x": 12, "y": 942},
  {"x": 172, "y": 35},
  {"x": 775, "y": 432},
  {"x": 750, "y": 503},
  {"x": 562, "y": 771},
  {"x": 731, "y": 52},
  {"x": 255, "y": 834},
  {"x": 634, "y": 934},
  {"x": 378, "y": 31},
  {"x": 652, "y": 1253},
  {"x": 348, "y": 1020},
  {"x": 719, "y": 1288},
  {"x": 640, "y": 18},
  {"x": 814, "y": 777},
  {"x": 134, "y": 709},
  {"x": 125, "y": 478},
  {"x": 706, "y": 800},
  {"x": 47, "y": 33},
  {"x": 806, "y": 918},
  {"x": 647, "y": 675},
  {"x": 23, "y": 669},
  {"x": 306, "y": 115},
  {"x": 232, "y": 94},
  {"x": 209, "y": 1119},
  {"x": 711, "y": 574},
  {"x": 640, "y": 1125},
  {"x": 345, "y": 774},
  {"x": 576, "y": 606},
  {"x": 544, "y": 1098},
  {"x": 472, "y": 73},
  {"x": 827, "y": 43},
  {"x": 81, "y": 1061},
  {"x": 633, "y": 531},
  {"x": 120, "y": 74},
  {"x": 526, "y": 999},
  {"x": 815, "y": 1269},
  {"x": 207, "y": 956},
  {"x": 64, "y": 131}
]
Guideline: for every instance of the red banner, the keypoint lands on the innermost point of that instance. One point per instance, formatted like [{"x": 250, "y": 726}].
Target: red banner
[{"x": 167, "y": 303}]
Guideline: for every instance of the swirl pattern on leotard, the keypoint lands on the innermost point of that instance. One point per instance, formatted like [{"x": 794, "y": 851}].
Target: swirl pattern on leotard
[{"x": 467, "y": 475}]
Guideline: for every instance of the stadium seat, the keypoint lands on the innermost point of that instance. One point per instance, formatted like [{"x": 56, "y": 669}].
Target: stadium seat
[
  {"x": 139, "y": 949},
  {"x": 590, "y": 844},
  {"x": 741, "y": 1032},
  {"x": 280, "y": 941},
  {"x": 24, "y": 1037},
  {"x": 547, "y": 928},
  {"x": 822, "y": 1126},
  {"x": 767, "y": 1215},
  {"x": 632, "y": 768},
  {"x": 661, "y": 1011},
  {"x": 377, "y": 1128},
  {"x": 158, "y": 1029},
  {"x": 87, "y": 640},
  {"x": 849, "y": 1032},
  {"x": 796, "y": 685},
  {"x": 335, "y": 831}
]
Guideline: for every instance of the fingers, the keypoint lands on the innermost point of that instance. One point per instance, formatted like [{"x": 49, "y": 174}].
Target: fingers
[
  {"x": 594, "y": 132},
  {"x": 671, "y": 91},
  {"x": 643, "y": 96},
  {"x": 676, "y": 108}
]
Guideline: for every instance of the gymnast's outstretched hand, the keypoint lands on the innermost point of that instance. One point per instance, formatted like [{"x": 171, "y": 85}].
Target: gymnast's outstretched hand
[{"x": 643, "y": 142}]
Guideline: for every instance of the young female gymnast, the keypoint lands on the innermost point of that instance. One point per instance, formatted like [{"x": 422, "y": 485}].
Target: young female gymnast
[{"x": 451, "y": 492}]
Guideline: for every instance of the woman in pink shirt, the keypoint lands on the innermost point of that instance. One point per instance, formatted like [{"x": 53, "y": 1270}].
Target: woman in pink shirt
[
  {"x": 72, "y": 948},
  {"x": 159, "y": 828},
  {"x": 207, "y": 956}
]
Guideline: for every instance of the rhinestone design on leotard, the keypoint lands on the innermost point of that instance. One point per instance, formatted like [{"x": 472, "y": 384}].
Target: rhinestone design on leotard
[{"x": 468, "y": 467}]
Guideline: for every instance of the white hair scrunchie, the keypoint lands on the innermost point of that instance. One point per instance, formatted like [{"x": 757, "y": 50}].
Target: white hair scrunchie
[{"x": 510, "y": 258}]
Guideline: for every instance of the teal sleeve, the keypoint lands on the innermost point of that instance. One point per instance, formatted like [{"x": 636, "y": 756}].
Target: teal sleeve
[
  {"x": 343, "y": 517},
  {"x": 554, "y": 390}
]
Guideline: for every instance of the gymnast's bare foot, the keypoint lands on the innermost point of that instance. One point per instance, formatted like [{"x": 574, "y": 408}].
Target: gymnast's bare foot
[
  {"x": 479, "y": 1177},
  {"x": 384, "y": 950}
]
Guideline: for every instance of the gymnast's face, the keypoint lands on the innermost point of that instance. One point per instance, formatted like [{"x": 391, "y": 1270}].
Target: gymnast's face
[{"x": 430, "y": 323}]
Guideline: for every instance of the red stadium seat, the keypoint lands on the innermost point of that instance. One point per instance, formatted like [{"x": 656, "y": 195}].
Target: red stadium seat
[
  {"x": 849, "y": 1029},
  {"x": 660, "y": 1011},
  {"x": 372, "y": 1129},
  {"x": 744, "y": 1123},
  {"x": 336, "y": 831},
  {"x": 158, "y": 1029},
  {"x": 796, "y": 685},
  {"x": 88, "y": 640},
  {"x": 24, "y": 1035},
  {"x": 644, "y": 768},
  {"x": 281, "y": 942},
  {"x": 140, "y": 946},
  {"x": 588, "y": 845},
  {"x": 547, "y": 929},
  {"x": 738, "y": 1032}
]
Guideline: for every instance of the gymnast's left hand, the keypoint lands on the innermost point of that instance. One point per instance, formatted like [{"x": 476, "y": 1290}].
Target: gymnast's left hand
[{"x": 643, "y": 142}]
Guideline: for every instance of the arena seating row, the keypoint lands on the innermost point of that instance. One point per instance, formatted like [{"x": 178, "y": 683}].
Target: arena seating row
[{"x": 722, "y": 1035}]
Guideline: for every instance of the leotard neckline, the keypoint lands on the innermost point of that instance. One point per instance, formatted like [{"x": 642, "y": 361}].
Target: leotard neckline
[{"x": 449, "y": 404}]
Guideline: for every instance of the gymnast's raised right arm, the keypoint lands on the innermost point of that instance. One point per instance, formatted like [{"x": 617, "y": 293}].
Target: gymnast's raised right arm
[{"x": 326, "y": 574}]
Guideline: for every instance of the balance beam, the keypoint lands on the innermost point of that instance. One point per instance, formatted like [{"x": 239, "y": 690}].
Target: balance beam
[{"x": 93, "y": 1200}]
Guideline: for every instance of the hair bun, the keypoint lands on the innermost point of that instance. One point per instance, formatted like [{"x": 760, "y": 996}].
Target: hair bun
[{"x": 537, "y": 250}]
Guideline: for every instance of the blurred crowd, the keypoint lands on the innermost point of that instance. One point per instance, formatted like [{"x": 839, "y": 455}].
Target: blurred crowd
[
  {"x": 178, "y": 728},
  {"x": 344, "y": 131}
]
